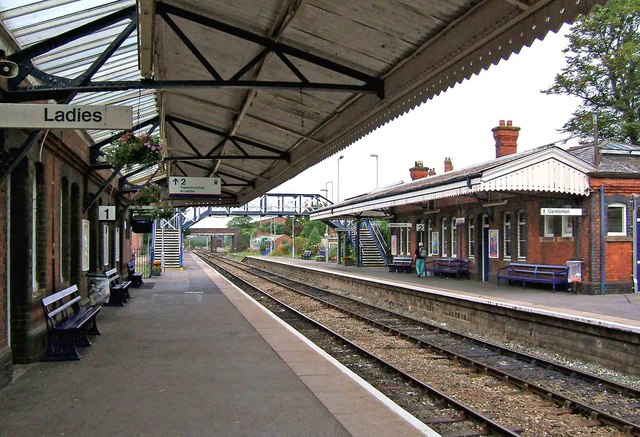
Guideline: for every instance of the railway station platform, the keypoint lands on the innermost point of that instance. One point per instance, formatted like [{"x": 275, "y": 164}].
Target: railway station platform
[
  {"x": 610, "y": 308},
  {"x": 192, "y": 355}
]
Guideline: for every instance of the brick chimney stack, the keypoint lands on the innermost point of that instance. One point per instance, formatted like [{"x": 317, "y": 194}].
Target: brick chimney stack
[
  {"x": 418, "y": 171},
  {"x": 432, "y": 172},
  {"x": 506, "y": 137},
  {"x": 448, "y": 165}
]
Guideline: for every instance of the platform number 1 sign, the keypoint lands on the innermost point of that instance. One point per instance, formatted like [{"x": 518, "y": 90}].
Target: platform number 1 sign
[{"x": 106, "y": 213}]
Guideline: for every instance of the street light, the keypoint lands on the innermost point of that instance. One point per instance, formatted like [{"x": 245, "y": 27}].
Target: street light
[
  {"x": 338, "y": 184},
  {"x": 327, "y": 190},
  {"x": 376, "y": 156}
]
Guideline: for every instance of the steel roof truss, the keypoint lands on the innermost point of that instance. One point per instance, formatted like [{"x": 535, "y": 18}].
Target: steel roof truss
[{"x": 280, "y": 155}]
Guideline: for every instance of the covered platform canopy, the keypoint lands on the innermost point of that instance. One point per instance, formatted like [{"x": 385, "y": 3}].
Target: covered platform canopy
[{"x": 255, "y": 92}]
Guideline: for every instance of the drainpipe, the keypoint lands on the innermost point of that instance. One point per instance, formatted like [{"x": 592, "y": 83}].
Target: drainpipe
[
  {"x": 603, "y": 234},
  {"x": 634, "y": 204}
]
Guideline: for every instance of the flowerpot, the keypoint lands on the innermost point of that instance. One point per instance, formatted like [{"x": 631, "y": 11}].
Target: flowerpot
[
  {"x": 348, "y": 262},
  {"x": 156, "y": 273}
]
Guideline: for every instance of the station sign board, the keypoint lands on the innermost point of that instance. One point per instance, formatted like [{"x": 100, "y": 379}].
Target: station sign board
[
  {"x": 46, "y": 116},
  {"x": 181, "y": 186},
  {"x": 106, "y": 213},
  {"x": 560, "y": 211}
]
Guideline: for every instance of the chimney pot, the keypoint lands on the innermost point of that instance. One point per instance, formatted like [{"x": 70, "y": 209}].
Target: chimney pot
[
  {"x": 418, "y": 171},
  {"x": 448, "y": 165},
  {"x": 506, "y": 137}
]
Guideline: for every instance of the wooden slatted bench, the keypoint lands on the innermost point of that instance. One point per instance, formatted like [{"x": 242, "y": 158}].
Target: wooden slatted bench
[
  {"x": 118, "y": 289},
  {"x": 134, "y": 277},
  {"x": 553, "y": 275},
  {"x": 401, "y": 263},
  {"x": 448, "y": 266},
  {"x": 68, "y": 324}
]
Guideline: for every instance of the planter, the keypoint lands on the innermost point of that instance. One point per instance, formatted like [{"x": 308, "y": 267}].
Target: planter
[
  {"x": 156, "y": 272},
  {"x": 348, "y": 262}
]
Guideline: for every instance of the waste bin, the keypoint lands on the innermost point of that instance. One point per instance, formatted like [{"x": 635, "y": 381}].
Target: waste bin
[
  {"x": 574, "y": 275},
  {"x": 99, "y": 291}
]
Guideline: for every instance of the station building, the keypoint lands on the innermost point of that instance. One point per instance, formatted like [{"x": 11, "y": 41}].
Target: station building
[{"x": 543, "y": 206}]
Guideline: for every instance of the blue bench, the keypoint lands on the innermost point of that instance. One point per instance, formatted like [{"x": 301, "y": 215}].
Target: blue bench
[
  {"x": 68, "y": 324},
  {"x": 448, "y": 266},
  {"x": 401, "y": 263},
  {"x": 553, "y": 275}
]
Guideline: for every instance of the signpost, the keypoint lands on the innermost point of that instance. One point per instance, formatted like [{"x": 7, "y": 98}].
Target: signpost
[
  {"x": 561, "y": 211},
  {"x": 180, "y": 186},
  {"x": 106, "y": 213},
  {"x": 45, "y": 116}
]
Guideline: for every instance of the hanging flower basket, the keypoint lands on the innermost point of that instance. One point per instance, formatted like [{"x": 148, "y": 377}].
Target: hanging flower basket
[
  {"x": 128, "y": 148},
  {"x": 162, "y": 210},
  {"x": 147, "y": 195}
]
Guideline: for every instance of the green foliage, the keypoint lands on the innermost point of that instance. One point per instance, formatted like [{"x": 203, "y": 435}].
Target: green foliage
[
  {"x": 603, "y": 59},
  {"x": 313, "y": 225},
  {"x": 314, "y": 240},
  {"x": 128, "y": 148},
  {"x": 281, "y": 251},
  {"x": 241, "y": 222},
  {"x": 300, "y": 243},
  {"x": 147, "y": 195},
  {"x": 246, "y": 226}
]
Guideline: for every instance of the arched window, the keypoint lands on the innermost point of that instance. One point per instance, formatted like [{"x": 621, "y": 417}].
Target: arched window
[
  {"x": 39, "y": 231},
  {"x": 506, "y": 235},
  {"x": 65, "y": 235},
  {"x": 75, "y": 234},
  {"x": 522, "y": 235},
  {"x": 471, "y": 238},
  {"x": 445, "y": 236}
]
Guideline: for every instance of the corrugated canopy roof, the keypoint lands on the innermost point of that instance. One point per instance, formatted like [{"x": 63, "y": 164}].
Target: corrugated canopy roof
[{"x": 256, "y": 92}]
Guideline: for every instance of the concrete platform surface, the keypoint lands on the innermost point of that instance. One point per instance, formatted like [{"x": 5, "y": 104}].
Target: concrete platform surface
[
  {"x": 191, "y": 355},
  {"x": 621, "y": 309}
]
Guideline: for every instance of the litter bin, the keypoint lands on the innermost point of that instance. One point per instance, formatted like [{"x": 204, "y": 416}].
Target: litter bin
[
  {"x": 574, "y": 275},
  {"x": 99, "y": 290}
]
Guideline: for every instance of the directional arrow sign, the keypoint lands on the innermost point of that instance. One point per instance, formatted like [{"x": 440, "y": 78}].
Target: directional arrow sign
[{"x": 180, "y": 186}]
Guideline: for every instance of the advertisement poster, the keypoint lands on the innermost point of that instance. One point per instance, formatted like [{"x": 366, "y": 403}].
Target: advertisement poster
[
  {"x": 117, "y": 244},
  {"x": 85, "y": 245},
  {"x": 493, "y": 243},
  {"x": 105, "y": 244},
  {"x": 435, "y": 243}
]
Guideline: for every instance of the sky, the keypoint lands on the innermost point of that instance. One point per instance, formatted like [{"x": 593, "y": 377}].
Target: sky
[{"x": 455, "y": 124}]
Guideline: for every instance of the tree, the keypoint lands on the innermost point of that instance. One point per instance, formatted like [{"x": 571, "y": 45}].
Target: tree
[
  {"x": 314, "y": 239},
  {"x": 603, "y": 58}
]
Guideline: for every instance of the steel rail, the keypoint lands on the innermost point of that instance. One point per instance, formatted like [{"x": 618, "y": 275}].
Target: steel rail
[
  {"x": 564, "y": 401},
  {"x": 469, "y": 412}
]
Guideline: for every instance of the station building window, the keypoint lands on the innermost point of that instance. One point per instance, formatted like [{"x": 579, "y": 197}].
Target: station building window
[
  {"x": 445, "y": 236},
  {"x": 506, "y": 235},
  {"x": 471, "y": 237},
  {"x": 39, "y": 230},
  {"x": 429, "y": 241},
  {"x": 454, "y": 237},
  {"x": 617, "y": 219},
  {"x": 522, "y": 235},
  {"x": 64, "y": 229}
]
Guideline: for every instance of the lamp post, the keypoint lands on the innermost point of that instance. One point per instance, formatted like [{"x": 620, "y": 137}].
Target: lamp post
[
  {"x": 338, "y": 184},
  {"x": 293, "y": 237},
  {"x": 327, "y": 190},
  {"x": 376, "y": 156}
]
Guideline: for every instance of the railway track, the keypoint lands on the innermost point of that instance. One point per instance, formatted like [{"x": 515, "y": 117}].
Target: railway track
[{"x": 556, "y": 393}]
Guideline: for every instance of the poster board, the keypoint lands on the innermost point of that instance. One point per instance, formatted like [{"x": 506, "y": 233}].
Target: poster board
[
  {"x": 85, "y": 244},
  {"x": 493, "y": 243}
]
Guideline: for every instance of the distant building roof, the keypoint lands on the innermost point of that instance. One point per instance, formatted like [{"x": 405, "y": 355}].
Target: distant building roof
[{"x": 525, "y": 171}]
